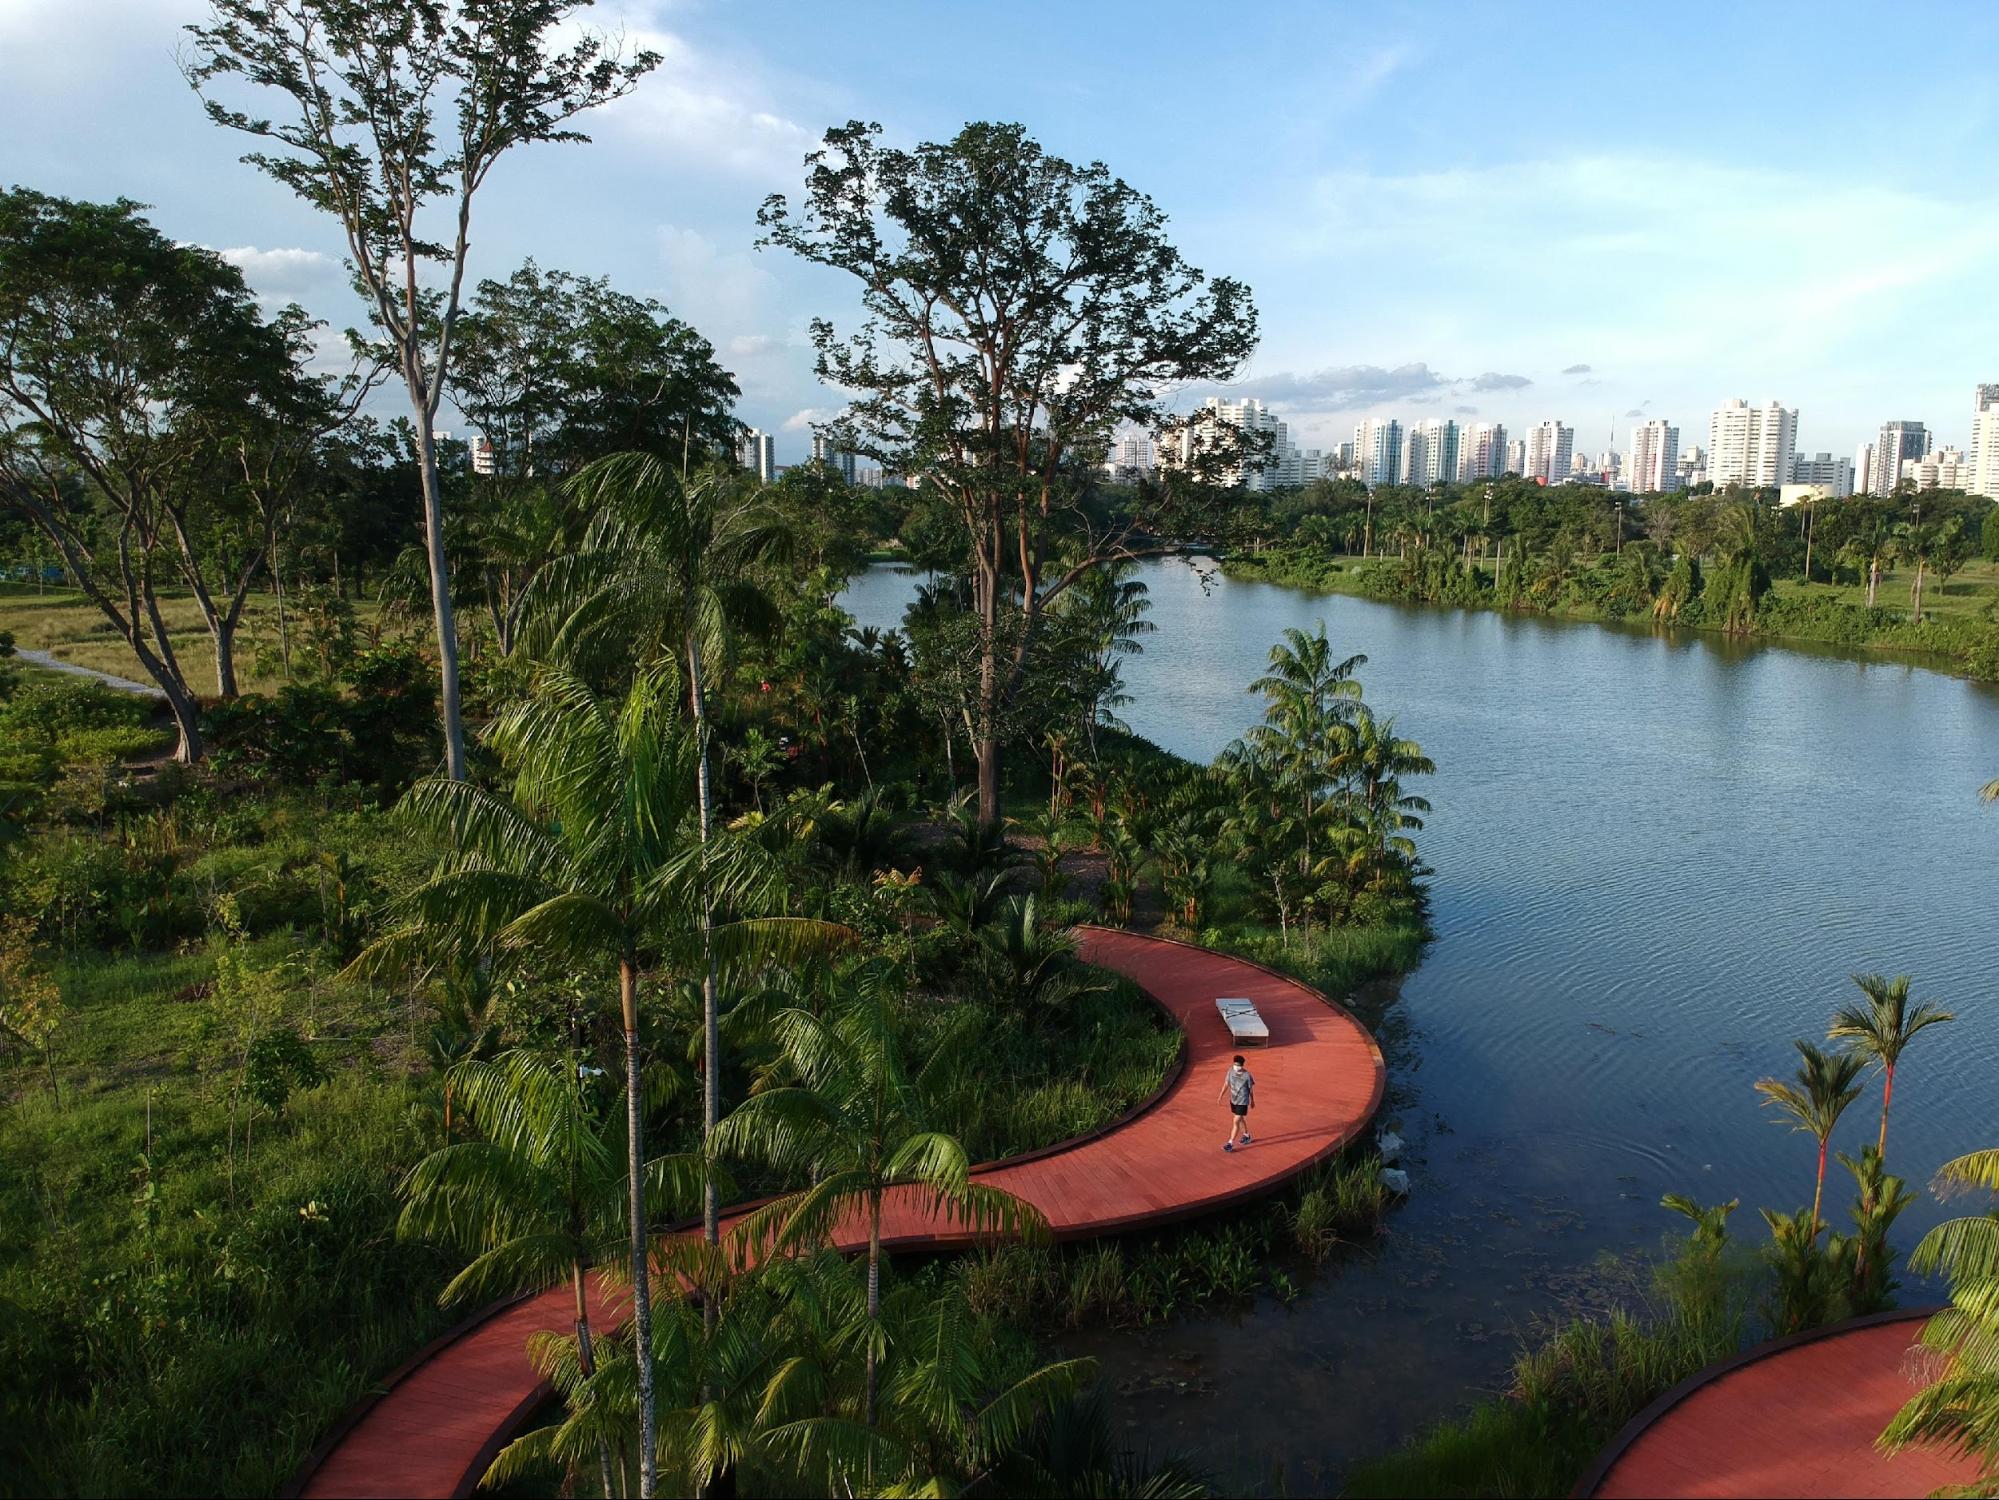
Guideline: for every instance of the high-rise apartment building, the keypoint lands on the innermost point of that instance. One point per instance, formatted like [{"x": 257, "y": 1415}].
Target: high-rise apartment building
[
  {"x": 1432, "y": 451},
  {"x": 1985, "y": 440},
  {"x": 1281, "y": 463},
  {"x": 1753, "y": 446},
  {"x": 1516, "y": 456},
  {"x": 1550, "y": 447},
  {"x": 1377, "y": 449},
  {"x": 1833, "y": 475},
  {"x": 1863, "y": 469},
  {"x": 1939, "y": 469},
  {"x": 757, "y": 452},
  {"x": 1130, "y": 456},
  {"x": 1482, "y": 452},
  {"x": 1653, "y": 466},
  {"x": 823, "y": 452},
  {"x": 1897, "y": 443}
]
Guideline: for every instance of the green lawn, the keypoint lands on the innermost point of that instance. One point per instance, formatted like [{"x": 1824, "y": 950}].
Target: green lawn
[{"x": 1966, "y": 594}]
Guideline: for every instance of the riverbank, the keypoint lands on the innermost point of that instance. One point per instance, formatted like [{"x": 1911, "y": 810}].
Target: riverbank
[{"x": 1959, "y": 633}]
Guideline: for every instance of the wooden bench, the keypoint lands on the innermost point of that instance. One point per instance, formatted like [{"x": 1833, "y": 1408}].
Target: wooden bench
[{"x": 1244, "y": 1024}]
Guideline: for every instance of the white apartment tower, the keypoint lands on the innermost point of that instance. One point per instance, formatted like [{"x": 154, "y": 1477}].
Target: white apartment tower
[
  {"x": 1939, "y": 469},
  {"x": 757, "y": 452},
  {"x": 1863, "y": 469},
  {"x": 1985, "y": 441},
  {"x": 1654, "y": 464},
  {"x": 1282, "y": 464},
  {"x": 1550, "y": 448},
  {"x": 1432, "y": 453},
  {"x": 1377, "y": 451},
  {"x": 1482, "y": 452},
  {"x": 1897, "y": 444},
  {"x": 1753, "y": 446}
]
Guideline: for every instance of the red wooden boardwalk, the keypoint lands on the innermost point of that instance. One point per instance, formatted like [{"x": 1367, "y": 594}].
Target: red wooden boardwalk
[
  {"x": 438, "y": 1423},
  {"x": 1797, "y": 1417}
]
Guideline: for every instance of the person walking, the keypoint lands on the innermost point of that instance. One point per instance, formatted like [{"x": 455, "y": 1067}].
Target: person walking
[{"x": 1239, "y": 1093}]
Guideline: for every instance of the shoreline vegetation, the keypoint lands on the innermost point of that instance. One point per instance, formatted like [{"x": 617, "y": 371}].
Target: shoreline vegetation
[{"x": 1792, "y": 613}]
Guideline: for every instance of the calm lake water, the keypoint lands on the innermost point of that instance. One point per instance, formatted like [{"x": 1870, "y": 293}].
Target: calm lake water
[{"x": 1657, "y": 859}]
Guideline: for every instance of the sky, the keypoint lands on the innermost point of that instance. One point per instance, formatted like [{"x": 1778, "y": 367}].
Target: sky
[{"x": 1494, "y": 212}]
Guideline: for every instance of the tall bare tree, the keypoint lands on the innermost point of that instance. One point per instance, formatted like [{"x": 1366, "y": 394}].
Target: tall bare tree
[
  {"x": 398, "y": 111},
  {"x": 1019, "y": 309}
]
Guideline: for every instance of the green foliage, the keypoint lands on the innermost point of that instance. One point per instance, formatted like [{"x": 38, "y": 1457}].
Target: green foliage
[
  {"x": 277, "y": 1064},
  {"x": 1960, "y": 1407},
  {"x": 376, "y": 732}
]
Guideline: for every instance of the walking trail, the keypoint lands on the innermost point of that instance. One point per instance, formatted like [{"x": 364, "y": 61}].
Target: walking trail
[
  {"x": 123, "y": 684},
  {"x": 437, "y": 1423},
  {"x": 1798, "y": 1416}
]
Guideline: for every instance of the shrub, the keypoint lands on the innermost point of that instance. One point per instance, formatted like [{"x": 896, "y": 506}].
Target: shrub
[
  {"x": 48, "y": 706},
  {"x": 375, "y": 733}
]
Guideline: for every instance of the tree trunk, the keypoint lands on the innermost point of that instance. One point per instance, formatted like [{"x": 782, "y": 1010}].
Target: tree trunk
[
  {"x": 586, "y": 1361},
  {"x": 187, "y": 719},
  {"x": 1818, "y": 1191},
  {"x": 711, "y": 1018},
  {"x": 987, "y": 751},
  {"x": 874, "y": 1298},
  {"x": 628, "y": 994},
  {"x": 225, "y": 658},
  {"x": 1887, "y": 1094},
  {"x": 447, "y": 644}
]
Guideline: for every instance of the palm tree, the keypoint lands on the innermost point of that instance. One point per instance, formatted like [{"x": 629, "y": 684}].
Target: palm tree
[
  {"x": 664, "y": 571},
  {"x": 860, "y": 1121},
  {"x": 537, "y": 1199},
  {"x": 1026, "y": 966},
  {"x": 1826, "y": 1084},
  {"x": 587, "y": 870},
  {"x": 1106, "y": 610},
  {"x": 1376, "y": 760},
  {"x": 1881, "y": 1029},
  {"x": 1307, "y": 696},
  {"x": 1960, "y": 1409}
]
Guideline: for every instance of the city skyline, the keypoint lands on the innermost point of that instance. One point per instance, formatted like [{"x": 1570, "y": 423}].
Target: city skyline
[{"x": 1485, "y": 265}]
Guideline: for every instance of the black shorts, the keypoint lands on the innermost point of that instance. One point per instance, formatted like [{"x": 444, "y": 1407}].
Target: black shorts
[{"x": 1240, "y": 1109}]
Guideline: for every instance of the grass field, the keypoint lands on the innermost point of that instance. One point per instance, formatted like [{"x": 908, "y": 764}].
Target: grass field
[
  {"x": 64, "y": 623},
  {"x": 1966, "y": 594}
]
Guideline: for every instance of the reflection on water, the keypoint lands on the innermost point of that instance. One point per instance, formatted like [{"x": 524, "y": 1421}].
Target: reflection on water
[{"x": 1658, "y": 859}]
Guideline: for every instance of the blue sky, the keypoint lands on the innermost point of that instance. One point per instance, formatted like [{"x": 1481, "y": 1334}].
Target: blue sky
[{"x": 1499, "y": 212}]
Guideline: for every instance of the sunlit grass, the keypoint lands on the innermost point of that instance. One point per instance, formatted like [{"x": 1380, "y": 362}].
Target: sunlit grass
[{"x": 64, "y": 623}]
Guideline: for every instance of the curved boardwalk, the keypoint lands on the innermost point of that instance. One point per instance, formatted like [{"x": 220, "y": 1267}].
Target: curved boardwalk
[
  {"x": 1794, "y": 1417},
  {"x": 437, "y": 1425}
]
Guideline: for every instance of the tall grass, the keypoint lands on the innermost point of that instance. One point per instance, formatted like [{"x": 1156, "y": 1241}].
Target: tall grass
[{"x": 1574, "y": 1388}]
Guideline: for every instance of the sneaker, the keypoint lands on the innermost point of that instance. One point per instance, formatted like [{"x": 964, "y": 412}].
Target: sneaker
[
  {"x": 1228, "y": 1145},
  {"x": 1245, "y": 1137}
]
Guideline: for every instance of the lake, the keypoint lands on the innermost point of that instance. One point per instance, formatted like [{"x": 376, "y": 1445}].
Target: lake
[{"x": 1658, "y": 857}]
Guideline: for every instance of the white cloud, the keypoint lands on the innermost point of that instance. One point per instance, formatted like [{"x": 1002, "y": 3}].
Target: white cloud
[
  {"x": 712, "y": 114},
  {"x": 754, "y": 345},
  {"x": 285, "y": 273},
  {"x": 807, "y": 419}
]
